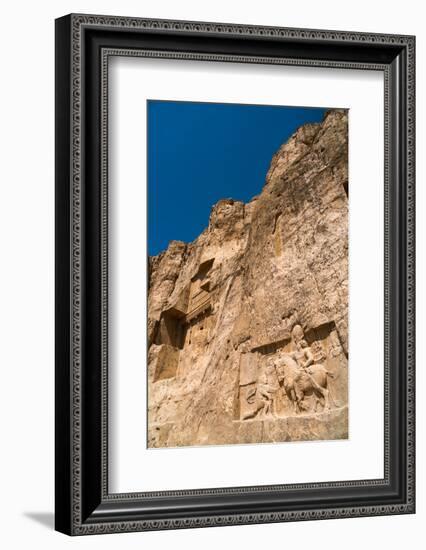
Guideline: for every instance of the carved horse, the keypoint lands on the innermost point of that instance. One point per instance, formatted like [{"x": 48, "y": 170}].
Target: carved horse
[
  {"x": 262, "y": 397},
  {"x": 298, "y": 383}
]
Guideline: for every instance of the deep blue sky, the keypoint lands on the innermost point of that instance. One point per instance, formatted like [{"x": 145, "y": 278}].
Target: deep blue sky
[{"x": 199, "y": 153}]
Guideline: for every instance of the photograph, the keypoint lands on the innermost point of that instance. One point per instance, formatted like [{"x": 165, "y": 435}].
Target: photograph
[{"x": 248, "y": 296}]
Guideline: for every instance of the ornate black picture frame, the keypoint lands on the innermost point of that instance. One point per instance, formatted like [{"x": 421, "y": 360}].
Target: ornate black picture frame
[{"x": 84, "y": 44}]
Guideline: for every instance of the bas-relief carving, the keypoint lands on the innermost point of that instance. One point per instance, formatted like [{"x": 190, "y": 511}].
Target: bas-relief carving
[
  {"x": 292, "y": 380},
  {"x": 248, "y": 324}
]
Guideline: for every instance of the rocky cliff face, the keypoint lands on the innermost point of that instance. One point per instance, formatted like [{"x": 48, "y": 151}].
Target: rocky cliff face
[{"x": 242, "y": 320}]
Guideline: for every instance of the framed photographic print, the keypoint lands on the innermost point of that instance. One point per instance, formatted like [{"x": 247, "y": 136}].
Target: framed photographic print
[{"x": 234, "y": 274}]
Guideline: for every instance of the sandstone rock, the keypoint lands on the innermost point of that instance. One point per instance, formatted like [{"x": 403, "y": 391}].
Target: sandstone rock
[{"x": 262, "y": 291}]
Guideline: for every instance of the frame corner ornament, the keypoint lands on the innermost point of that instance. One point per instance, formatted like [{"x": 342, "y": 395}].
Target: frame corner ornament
[{"x": 86, "y": 507}]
